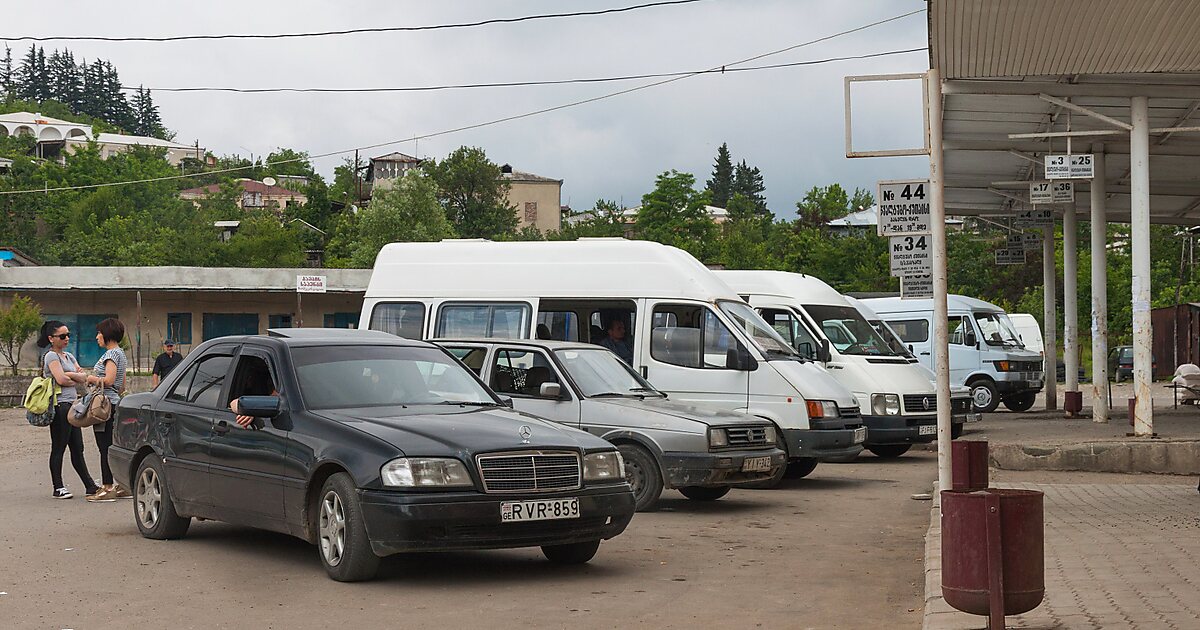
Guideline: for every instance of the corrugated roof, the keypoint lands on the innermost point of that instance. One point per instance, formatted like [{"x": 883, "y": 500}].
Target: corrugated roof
[
  {"x": 145, "y": 141},
  {"x": 522, "y": 176},
  {"x": 176, "y": 279},
  {"x": 31, "y": 118}
]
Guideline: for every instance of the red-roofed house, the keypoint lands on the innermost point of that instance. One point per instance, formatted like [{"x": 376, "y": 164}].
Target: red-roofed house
[{"x": 255, "y": 195}]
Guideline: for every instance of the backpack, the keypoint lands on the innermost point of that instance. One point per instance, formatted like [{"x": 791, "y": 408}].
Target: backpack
[{"x": 40, "y": 399}]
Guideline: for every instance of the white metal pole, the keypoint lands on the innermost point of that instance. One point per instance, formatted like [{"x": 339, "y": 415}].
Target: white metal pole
[
  {"x": 1050, "y": 319},
  {"x": 1139, "y": 184},
  {"x": 1099, "y": 290},
  {"x": 937, "y": 229},
  {"x": 1070, "y": 301}
]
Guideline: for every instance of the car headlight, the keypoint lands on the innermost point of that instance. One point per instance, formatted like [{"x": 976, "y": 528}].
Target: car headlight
[
  {"x": 606, "y": 466},
  {"x": 718, "y": 438},
  {"x": 821, "y": 409},
  {"x": 425, "y": 472},
  {"x": 885, "y": 404},
  {"x": 770, "y": 434}
]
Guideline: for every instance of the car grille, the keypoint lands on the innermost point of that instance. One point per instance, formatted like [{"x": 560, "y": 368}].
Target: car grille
[
  {"x": 849, "y": 413},
  {"x": 1024, "y": 366},
  {"x": 747, "y": 436},
  {"x": 533, "y": 471},
  {"x": 960, "y": 405},
  {"x": 920, "y": 403}
]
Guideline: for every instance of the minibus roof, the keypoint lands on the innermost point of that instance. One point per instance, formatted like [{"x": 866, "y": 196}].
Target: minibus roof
[
  {"x": 805, "y": 289},
  {"x": 888, "y": 305},
  {"x": 587, "y": 268}
]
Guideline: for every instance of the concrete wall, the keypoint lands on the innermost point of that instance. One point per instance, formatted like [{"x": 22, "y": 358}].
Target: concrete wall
[
  {"x": 157, "y": 304},
  {"x": 548, "y": 199}
]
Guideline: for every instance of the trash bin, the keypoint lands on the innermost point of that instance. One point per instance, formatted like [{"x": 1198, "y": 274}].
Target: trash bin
[
  {"x": 968, "y": 465},
  {"x": 992, "y": 550}
]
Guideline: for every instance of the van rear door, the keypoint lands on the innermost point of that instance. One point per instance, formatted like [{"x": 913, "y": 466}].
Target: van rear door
[{"x": 683, "y": 349}]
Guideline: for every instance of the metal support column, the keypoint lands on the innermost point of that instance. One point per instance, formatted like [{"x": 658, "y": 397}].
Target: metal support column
[
  {"x": 1049, "y": 319},
  {"x": 1070, "y": 301},
  {"x": 941, "y": 324},
  {"x": 1099, "y": 290},
  {"x": 1139, "y": 219}
]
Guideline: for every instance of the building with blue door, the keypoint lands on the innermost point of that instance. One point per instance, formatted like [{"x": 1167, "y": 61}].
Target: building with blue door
[{"x": 186, "y": 304}]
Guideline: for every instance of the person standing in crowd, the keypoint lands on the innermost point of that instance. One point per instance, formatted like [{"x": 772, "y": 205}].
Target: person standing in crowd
[
  {"x": 165, "y": 362},
  {"x": 61, "y": 365},
  {"x": 110, "y": 375}
]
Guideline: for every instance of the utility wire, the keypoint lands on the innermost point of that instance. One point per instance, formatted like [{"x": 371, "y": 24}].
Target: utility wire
[
  {"x": 351, "y": 31},
  {"x": 463, "y": 86},
  {"x": 478, "y": 125}
]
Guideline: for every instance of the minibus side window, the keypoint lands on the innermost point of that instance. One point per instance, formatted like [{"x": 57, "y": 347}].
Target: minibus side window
[
  {"x": 403, "y": 319},
  {"x": 690, "y": 336},
  {"x": 561, "y": 326},
  {"x": 789, "y": 327},
  {"x": 507, "y": 321},
  {"x": 911, "y": 330}
]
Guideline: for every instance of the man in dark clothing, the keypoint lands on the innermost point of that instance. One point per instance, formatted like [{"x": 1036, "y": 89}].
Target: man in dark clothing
[{"x": 165, "y": 362}]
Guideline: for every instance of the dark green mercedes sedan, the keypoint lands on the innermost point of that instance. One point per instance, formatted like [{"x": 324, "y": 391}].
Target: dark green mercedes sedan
[{"x": 366, "y": 445}]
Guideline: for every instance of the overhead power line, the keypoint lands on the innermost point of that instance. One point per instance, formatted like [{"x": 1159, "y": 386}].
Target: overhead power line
[
  {"x": 464, "y": 86},
  {"x": 349, "y": 31},
  {"x": 488, "y": 123}
]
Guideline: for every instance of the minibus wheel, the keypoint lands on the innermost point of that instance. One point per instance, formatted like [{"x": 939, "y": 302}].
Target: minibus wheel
[
  {"x": 984, "y": 396},
  {"x": 889, "y": 451},
  {"x": 1020, "y": 402}
]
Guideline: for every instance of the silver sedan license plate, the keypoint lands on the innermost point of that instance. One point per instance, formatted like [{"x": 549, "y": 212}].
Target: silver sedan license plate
[
  {"x": 860, "y": 435},
  {"x": 756, "y": 464},
  {"x": 541, "y": 510}
]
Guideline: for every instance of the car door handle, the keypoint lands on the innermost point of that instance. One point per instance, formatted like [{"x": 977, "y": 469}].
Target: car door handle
[{"x": 221, "y": 427}]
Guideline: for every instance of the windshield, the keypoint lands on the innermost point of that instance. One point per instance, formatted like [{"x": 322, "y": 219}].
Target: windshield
[
  {"x": 340, "y": 377},
  {"x": 849, "y": 332},
  {"x": 601, "y": 372},
  {"x": 997, "y": 329},
  {"x": 760, "y": 332},
  {"x": 888, "y": 335}
]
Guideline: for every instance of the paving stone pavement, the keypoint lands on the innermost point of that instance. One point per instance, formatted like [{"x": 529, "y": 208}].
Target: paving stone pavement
[{"x": 1117, "y": 556}]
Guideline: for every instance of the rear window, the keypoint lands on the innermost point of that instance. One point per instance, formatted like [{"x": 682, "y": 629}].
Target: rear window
[
  {"x": 911, "y": 330},
  {"x": 403, "y": 319}
]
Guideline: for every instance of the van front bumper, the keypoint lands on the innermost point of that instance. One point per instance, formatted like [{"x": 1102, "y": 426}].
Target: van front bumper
[
  {"x": 890, "y": 430},
  {"x": 720, "y": 468},
  {"x": 825, "y": 443}
]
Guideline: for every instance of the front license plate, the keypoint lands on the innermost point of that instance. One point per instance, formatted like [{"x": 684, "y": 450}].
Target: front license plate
[
  {"x": 542, "y": 510},
  {"x": 756, "y": 464},
  {"x": 927, "y": 429},
  {"x": 860, "y": 435}
]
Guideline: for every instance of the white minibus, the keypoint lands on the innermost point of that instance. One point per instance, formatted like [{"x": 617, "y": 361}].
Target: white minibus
[
  {"x": 986, "y": 353},
  {"x": 663, "y": 311},
  {"x": 898, "y": 402}
]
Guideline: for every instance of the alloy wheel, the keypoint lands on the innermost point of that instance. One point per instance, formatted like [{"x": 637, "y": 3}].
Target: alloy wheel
[
  {"x": 332, "y": 527},
  {"x": 149, "y": 498}
]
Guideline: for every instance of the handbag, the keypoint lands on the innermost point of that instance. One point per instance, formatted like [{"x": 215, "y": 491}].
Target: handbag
[
  {"x": 40, "y": 399},
  {"x": 97, "y": 409}
]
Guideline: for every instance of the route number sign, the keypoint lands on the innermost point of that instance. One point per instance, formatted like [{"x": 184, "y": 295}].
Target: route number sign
[
  {"x": 911, "y": 255},
  {"x": 916, "y": 287},
  {"x": 1073, "y": 166},
  {"x": 903, "y": 207},
  {"x": 1010, "y": 257}
]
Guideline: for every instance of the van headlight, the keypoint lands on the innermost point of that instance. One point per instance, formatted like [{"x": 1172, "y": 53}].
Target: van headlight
[
  {"x": 425, "y": 472},
  {"x": 718, "y": 438},
  {"x": 771, "y": 437},
  {"x": 605, "y": 466},
  {"x": 885, "y": 404}
]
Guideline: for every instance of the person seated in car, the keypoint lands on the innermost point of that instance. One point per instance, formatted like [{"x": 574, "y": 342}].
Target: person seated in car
[
  {"x": 617, "y": 341},
  {"x": 258, "y": 383}
]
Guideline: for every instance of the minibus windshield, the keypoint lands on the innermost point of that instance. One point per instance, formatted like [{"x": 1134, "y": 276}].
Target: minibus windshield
[
  {"x": 890, "y": 337},
  {"x": 758, "y": 330},
  {"x": 848, "y": 331},
  {"x": 997, "y": 329}
]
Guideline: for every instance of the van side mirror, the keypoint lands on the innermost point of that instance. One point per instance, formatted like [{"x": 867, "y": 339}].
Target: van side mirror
[
  {"x": 550, "y": 390},
  {"x": 825, "y": 356},
  {"x": 806, "y": 349},
  {"x": 739, "y": 358},
  {"x": 970, "y": 339}
]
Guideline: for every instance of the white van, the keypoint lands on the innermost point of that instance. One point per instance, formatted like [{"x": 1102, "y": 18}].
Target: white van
[
  {"x": 1029, "y": 332},
  {"x": 689, "y": 333},
  {"x": 986, "y": 353},
  {"x": 898, "y": 401}
]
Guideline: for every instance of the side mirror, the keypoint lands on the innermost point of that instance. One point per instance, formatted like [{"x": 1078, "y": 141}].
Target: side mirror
[
  {"x": 806, "y": 349},
  {"x": 970, "y": 340},
  {"x": 259, "y": 406},
  {"x": 506, "y": 401},
  {"x": 739, "y": 358},
  {"x": 550, "y": 390},
  {"x": 826, "y": 356}
]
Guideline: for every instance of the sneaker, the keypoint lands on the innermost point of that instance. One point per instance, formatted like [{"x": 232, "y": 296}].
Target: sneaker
[
  {"x": 62, "y": 493},
  {"x": 120, "y": 492},
  {"x": 103, "y": 495}
]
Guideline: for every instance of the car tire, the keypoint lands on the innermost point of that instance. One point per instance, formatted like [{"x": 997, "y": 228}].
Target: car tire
[
  {"x": 702, "y": 493},
  {"x": 889, "y": 451},
  {"x": 573, "y": 553},
  {"x": 984, "y": 396},
  {"x": 342, "y": 541},
  {"x": 643, "y": 476},
  {"x": 800, "y": 468},
  {"x": 1020, "y": 402},
  {"x": 153, "y": 507}
]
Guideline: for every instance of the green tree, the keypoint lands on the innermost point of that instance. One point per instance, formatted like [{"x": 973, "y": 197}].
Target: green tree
[
  {"x": 748, "y": 182},
  {"x": 7, "y": 85},
  {"x": 674, "y": 214},
  {"x": 474, "y": 194},
  {"x": 606, "y": 218},
  {"x": 822, "y": 205},
  {"x": 347, "y": 180},
  {"x": 145, "y": 112},
  {"x": 861, "y": 199},
  {"x": 720, "y": 185},
  {"x": 262, "y": 241},
  {"x": 18, "y": 323},
  {"x": 409, "y": 211},
  {"x": 288, "y": 162}
]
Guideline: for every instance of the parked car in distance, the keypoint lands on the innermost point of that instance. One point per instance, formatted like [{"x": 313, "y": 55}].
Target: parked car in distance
[
  {"x": 366, "y": 445},
  {"x": 1120, "y": 363},
  {"x": 699, "y": 450}
]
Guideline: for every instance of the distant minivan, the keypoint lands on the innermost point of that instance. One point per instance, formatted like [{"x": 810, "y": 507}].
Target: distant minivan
[
  {"x": 986, "y": 353},
  {"x": 681, "y": 328},
  {"x": 700, "y": 451},
  {"x": 1029, "y": 332},
  {"x": 898, "y": 400}
]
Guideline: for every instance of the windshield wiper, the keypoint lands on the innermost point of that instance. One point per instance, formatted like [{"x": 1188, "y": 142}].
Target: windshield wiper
[
  {"x": 468, "y": 403},
  {"x": 614, "y": 395},
  {"x": 648, "y": 390}
]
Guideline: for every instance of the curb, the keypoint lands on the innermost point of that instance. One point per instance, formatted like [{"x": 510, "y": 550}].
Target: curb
[{"x": 1171, "y": 457}]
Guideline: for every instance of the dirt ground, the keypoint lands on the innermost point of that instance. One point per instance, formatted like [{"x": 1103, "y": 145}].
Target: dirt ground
[{"x": 841, "y": 549}]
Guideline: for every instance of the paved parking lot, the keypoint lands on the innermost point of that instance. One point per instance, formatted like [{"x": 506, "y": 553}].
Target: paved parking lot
[{"x": 843, "y": 548}]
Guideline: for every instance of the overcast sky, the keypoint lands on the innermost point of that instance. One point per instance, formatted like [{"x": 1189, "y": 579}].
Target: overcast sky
[{"x": 788, "y": 122}]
